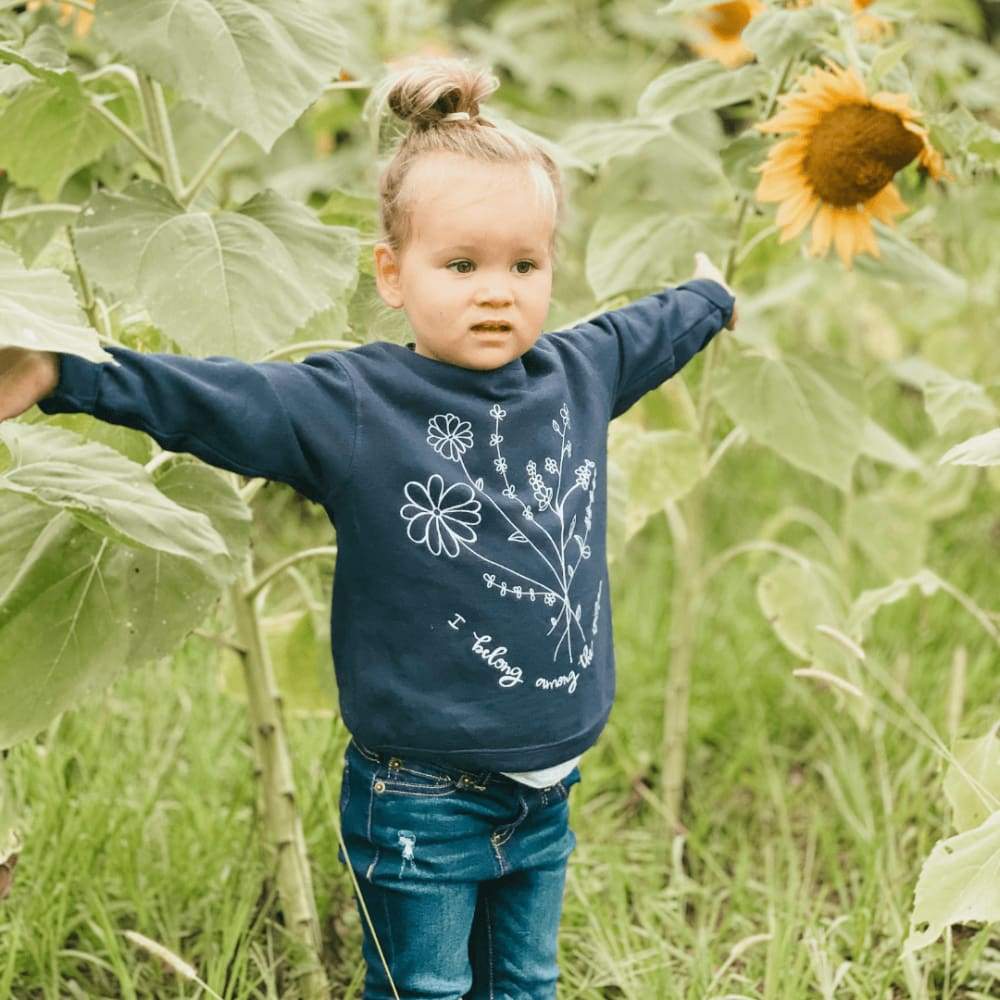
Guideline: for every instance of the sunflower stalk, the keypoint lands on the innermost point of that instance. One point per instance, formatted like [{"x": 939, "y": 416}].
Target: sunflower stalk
[
  {"x": 277, "y": 798},
  {"x": 686, "y": 521}
]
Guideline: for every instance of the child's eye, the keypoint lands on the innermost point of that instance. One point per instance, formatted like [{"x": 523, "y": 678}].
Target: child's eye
[{"x": 531, "y": 264}]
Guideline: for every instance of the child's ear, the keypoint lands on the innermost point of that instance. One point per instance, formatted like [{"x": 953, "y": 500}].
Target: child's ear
[{"x": 387, "y": 275}]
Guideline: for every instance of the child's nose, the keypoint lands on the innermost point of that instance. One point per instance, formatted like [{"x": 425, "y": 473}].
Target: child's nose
[{"x": 494, "y": 293}]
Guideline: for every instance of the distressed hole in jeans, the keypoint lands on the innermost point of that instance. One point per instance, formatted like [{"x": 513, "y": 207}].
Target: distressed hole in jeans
[{"x": 407, "y": 841}]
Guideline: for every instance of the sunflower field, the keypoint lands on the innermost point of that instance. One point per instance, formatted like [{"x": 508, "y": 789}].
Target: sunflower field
[{"x": 797, "y": 794}]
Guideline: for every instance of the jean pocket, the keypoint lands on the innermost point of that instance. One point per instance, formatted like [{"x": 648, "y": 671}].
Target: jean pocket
[
  {"x": 414, "y": 778},
  {"x": 403, "y": 776}
]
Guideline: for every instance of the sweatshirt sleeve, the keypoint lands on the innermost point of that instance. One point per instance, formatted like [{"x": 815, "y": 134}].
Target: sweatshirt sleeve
[
  {"x": 641, "y": 345},
  {"x": 289, "y": 421}
]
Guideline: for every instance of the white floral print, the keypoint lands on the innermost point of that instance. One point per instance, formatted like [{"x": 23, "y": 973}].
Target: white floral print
[
  {"x": 440, "y": 518},
  {"x": 443, "y": 519}
]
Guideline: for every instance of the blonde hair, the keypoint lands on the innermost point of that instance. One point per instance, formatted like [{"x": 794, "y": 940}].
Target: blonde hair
[{"x": 423, "y": 92}]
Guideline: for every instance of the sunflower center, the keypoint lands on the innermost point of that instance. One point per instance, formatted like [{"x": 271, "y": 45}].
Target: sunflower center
[
  {"x": 855, "y": 150},
  {"x": 727, "y": 20}
]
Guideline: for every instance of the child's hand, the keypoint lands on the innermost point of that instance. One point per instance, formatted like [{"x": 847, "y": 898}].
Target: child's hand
[
  {"x": 26, "y": 376},
  {"x": 704, "y": 268}
]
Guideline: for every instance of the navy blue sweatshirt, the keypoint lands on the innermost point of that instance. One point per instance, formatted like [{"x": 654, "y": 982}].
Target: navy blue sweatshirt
[{"x": 471, "y": 620}]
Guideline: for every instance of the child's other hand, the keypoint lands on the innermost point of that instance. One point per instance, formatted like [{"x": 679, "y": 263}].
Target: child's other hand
[
  {"x": 704, "y": 268},
  {"x": 26, "y": 376}
]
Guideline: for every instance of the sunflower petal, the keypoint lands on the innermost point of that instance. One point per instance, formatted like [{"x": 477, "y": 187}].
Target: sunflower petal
[{"x": 822, "y": 230}]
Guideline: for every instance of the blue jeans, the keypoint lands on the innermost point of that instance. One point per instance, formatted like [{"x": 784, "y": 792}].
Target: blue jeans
[{"x": 462, "y": 873}]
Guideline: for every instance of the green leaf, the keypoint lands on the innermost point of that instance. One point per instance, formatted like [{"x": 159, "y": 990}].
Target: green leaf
[
  {"x": 634, "y": 246},
  {"x": 983, "y": 449},
  {"x": 44, "y": 50},
  {"x": 777, "y": 35},
  {"x": 878, "y": 443},
  {"x": 48, "y": 131},
  {"x": 795, "y": 598},
  {"x": 959, "y": 882},
  {"x": 701, "y": 86},
  {"x": 892, "y": 529},
  {"x": 740, "y": 156},
  {"x": 951, "y": 402},
  {"x": 810, "y": 410},
  {"x": 109, "y": 494},
  {"x": 300, "y": 658},
  {"x": 38, "y": 310},
  {"x": 234, "y": 283},
  {"x": 659, "y": 465},
  {"x": 974, "y": 791},
  {"x": 76, "y": 609},
  {"x": 902, "y": 261},
  {"x": 171, "y": 595},
  {"x": 62, "y": 616},
  {"x": 868, "y": 602},
  {"x": 599, "y": 142},
  {"x": 255, "y": 65}
]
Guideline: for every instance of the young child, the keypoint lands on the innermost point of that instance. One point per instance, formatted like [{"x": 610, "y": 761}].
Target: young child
[{"x": 466, "y": 476}]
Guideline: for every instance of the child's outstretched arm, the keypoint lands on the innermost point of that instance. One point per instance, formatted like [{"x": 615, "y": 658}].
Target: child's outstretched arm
[
  {"x": 291, "y": 422},
  {"x": 639, "y": 346}
]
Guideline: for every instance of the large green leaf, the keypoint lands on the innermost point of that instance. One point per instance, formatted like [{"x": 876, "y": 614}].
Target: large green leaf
[
  {"x": 700, "y": 85},
  {"x": 974, "y": 791},
  {"x": 299, "y": 650},
  {"x": 951, "y": 402},
  {"x": 48, "y": 131},
  {"x": 634, "y": 246},
  {"x": 960, "y": 881},
  {"x": 64, "y": 630},
  {"x": 878, "y": 443},
  {"x": 868, "y": 602},
  {"x": 776, "y": 35},
  {"x": 983, "y": 449},
  {"x": 892, "y": 529},
  {"x": 257, "y": 65},
  {"x": 38, "y": 310},
  {"x": 809, "y": 409},
  {"x": 235, "y": 283},
  {"x": 107, "y": 493},
  {"x": 659, "y": 465},
  {"x": 169, "y": 595},
  {"x": 76, "y": 609},
  {"x": 795, "y": 598},
  {"x": 900, "y": 260},
  {"x": 43, "y": 49}
]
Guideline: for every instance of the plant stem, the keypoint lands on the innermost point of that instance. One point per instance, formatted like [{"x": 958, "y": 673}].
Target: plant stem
[
  {"x": 282, "y": 823},
  {"x": 155, "y": 109},
  {"x": 686, "y": 520},
  {"x": 189, "y": 193}
]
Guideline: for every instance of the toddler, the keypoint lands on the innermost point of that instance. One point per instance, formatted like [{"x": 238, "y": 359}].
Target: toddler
[{"x": 465, "y": 473}]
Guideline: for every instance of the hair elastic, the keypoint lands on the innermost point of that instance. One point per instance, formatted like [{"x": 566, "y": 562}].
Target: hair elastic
[{"x": 455, "y": 116}]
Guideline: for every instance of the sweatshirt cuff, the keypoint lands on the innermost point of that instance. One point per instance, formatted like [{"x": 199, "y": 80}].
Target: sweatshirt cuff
[
  {"x": 715, "y": 293},
  {"x": 76, "y": 390}
]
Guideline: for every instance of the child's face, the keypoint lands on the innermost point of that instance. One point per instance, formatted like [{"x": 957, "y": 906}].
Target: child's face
[{"x": 480, "y": 249}]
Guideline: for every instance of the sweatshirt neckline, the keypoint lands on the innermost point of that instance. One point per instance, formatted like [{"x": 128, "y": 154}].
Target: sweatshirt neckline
[{"x": 432, "y": 364}]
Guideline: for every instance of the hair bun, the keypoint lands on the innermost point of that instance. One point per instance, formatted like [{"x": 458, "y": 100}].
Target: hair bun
[{"x": 423, "y": 91}]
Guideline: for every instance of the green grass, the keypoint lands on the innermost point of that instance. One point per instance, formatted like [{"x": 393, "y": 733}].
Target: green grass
[{"x": 805, "y": 833}]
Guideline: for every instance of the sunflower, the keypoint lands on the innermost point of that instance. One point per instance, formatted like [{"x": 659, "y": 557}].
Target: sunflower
[
  {"x": 841, "y": 162},
  {"x": 722, "y": 25},
  {"x": 82, "y": 19},
  {"x": 869, "y": 25}
]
